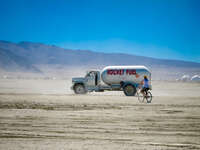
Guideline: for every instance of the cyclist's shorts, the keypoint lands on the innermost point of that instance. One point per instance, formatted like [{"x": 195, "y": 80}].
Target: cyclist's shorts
[{"x": 144, "y": 89}]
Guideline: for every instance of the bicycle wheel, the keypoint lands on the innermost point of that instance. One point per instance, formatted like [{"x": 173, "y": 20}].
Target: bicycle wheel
[
  {"x": 148, "y": 97},
  {"x": 140, "y": 97}
]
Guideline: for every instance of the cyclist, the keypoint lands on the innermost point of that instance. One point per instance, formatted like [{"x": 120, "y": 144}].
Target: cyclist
[{"x": 145, "y": 85}]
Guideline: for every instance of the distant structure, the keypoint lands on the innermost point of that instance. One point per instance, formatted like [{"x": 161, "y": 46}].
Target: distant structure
[
  {"x": 5, "y": 77},
  {"x": 185, "y": 78},
  {"x": 195, "y": 78}
]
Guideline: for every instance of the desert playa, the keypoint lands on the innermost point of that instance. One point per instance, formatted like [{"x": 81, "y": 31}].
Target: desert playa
[
  {"x": 106, "y": 46},
  {"x": 45, "y": 114}
]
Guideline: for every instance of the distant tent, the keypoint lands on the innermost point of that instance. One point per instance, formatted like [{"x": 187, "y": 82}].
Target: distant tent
[
  {"x": 195, "y": 78},
  {"x": 185, "y": 78}
]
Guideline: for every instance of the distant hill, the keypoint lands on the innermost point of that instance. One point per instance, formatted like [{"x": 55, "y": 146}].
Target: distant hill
[
  {"x": 27, "y": 55},
  {"x": 38, "y": 53},
  {"x": 12, "y": 62}
]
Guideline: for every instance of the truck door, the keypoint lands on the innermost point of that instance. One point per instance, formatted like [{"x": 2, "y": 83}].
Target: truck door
[{"x": 90, "y": 79}]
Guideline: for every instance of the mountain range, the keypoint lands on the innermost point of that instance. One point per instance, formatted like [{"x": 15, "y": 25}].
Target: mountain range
[{"x": 26, "y": 56}]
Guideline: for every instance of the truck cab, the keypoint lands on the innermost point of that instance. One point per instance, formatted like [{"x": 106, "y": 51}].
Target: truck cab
[
  {"x": 92, "y": 78},
  {"x": 90, "y": 82}
]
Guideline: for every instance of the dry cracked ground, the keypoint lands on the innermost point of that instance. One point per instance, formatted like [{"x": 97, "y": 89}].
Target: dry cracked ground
[{"x": 45, "y": 114}]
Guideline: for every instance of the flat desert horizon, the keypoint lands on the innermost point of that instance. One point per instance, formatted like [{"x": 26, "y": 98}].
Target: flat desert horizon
[{"x": 46, "y": 114}]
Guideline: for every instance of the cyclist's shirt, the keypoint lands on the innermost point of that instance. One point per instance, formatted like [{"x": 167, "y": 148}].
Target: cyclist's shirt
[{"x": 146, "y": 83}]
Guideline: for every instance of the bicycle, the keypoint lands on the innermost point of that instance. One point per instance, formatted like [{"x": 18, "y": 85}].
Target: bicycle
[{"x": 147, "y": 95}]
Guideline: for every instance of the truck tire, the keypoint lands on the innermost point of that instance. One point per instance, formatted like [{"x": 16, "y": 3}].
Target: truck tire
[
  {"x": 79, "y": 89},
  {"x": 129, "y": 90}
]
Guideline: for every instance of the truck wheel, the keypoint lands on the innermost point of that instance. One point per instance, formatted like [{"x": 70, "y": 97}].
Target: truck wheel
[
  {"x": 79, "y": 89},
  {"x": 129, "y": 90}
]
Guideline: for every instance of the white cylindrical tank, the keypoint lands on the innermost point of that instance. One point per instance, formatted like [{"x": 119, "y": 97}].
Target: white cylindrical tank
[{"x": 115, "y": 74}]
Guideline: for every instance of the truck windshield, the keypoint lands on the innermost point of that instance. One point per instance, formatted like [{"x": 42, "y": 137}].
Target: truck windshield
[
  {"x": 87, "y": 75},
  {"x": 90, "y": 74}
]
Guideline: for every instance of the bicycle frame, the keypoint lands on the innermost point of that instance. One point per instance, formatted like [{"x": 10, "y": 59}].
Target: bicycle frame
[{"x": 144, "y": 95}]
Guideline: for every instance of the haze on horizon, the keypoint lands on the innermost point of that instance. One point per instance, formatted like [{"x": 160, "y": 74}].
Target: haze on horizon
[{"x": 161, "y": 29}]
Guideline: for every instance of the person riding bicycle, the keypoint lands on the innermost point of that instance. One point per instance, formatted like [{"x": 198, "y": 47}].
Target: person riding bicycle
[{"x": 145, "y": 85}]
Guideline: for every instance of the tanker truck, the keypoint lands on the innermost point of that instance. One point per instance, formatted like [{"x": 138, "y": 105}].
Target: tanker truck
[{"x": 112, "y": 78}]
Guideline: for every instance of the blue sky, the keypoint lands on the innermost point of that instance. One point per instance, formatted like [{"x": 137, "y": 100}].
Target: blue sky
[{"x": 155, "y": 28}]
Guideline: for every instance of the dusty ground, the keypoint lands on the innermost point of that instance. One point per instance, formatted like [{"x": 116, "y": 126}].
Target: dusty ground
[{"x": 44, "y": 114}]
